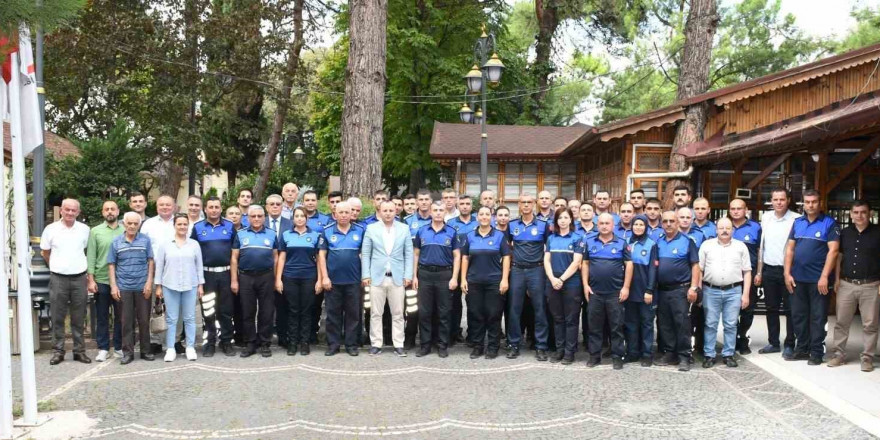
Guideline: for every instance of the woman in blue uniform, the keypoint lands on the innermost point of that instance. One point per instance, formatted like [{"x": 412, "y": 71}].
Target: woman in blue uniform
[
  {"x": 485, "y": 266},
  {"x": 296, "y": 276},
  {"x": 640, "y": 306},
  {"x": 563, "y": 255}
]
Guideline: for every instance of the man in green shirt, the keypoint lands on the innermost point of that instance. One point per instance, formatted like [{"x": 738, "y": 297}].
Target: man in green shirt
[{"x": 100, "y": 238}]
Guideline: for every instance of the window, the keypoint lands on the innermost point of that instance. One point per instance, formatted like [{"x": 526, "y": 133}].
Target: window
[{"x": 472, "y": 177}]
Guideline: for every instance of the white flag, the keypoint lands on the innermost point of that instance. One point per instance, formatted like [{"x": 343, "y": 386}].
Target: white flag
[{"x": 31, "y": 131}]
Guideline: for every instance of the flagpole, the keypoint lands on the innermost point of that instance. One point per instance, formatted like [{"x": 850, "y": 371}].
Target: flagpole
[
  {"x": 23, "y": 254},
  {"x": 5, "y": 344}
]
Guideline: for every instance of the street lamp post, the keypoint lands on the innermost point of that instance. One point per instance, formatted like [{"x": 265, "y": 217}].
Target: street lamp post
[{"x": 478, "y": 81}]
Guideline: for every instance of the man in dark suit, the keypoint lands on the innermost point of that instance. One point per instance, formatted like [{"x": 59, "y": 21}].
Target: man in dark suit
[{"x": 279, "y": 224}]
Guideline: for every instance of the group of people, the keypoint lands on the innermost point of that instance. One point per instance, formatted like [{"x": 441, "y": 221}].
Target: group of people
[{"x": 560, "y": 267}]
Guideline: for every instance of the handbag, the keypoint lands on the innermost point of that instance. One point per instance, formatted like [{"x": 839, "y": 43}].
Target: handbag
[{"x": 157, "y": 321}]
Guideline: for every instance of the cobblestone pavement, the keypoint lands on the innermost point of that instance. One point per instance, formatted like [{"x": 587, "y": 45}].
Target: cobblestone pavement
[{"x": 342, "y": 397}]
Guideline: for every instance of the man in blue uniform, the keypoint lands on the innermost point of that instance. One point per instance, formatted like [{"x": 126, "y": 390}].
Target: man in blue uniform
[
  {"x": 252, "y": 269},
  {"x": 748, "y": 232},
  {"x": 686, "y": 226},
  {"x": 528, "y": 234},
  {"x": 652, "y": 212},
  {"x": 586, "y": 222},
  {"x": 681, "y": 197},
  {"x": 810, "y": 255},
  {"x": 378, "y": 197},
  {"x": 678, "y": 279},
  {"x": 637, "y": 198},
  {"x": 215, "y": 235},
  {"x": 340, "y": 264},
  {"x": 701, "y": 218},
  {"x": 610, "y": 273},
  {"x": 463, "y": 224},
  {"x": 436, "y": 249},
  {"x": 697, "y": 317},
  {"x": 545, "y": 207},
  {"x": 315, "y": 219},
  {"x": 245, "y": 197},
  {"x": 602, "y": 203},
  {"x": 624, "y": 227},
  {"x": 415, "y": 221}
]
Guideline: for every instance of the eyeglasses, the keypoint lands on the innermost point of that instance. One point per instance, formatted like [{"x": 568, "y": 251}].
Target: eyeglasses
[{"x": 668, "y": 221}]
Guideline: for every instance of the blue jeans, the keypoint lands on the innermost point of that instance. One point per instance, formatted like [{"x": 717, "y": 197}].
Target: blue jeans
[
  {"x": 721, "y": 305},
  {"x": 174, "y": 300},
  {"x": 531, "y": 279},
  {"x": 103, "y": 303}
]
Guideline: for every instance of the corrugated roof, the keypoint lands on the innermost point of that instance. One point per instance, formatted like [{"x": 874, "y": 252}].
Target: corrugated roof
[
  {"x": 57, "y": 145},
  {"x": 462, "y": 141}
]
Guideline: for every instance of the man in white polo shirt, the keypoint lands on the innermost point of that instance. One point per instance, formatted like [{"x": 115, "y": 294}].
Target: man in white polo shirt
[
  {"x": 63, "y": 246},
  {"x": 160, "y": 230}
]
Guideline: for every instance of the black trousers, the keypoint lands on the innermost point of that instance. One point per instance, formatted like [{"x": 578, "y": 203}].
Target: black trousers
[
  {"x": 343, "y": 304},
  {"x": 316, "y": 321},
  {"x": 639, "y": 329},
  {"x": 777, "y": 300},
  {"x": 134, "y": 308},
  {"x": 606, "y": 308},
  {"x": 455, "y": 298},
  {"x": 223, "y": 310},
  {"x": 257, "y": 292},
  {"x": 674, "y": 325},
  {"x": 565, "y": 308},
  {"x": 485, "y": 305},
  {"x": 237, "y": 319},
  {"x": 746, "y": 317},
  {"x": 281, "y": 314},
  {"x": 698, "y": 326},
  {"x": 299, "y": 294},
  {"x": 809, "y": 311},
  {"x": 434, "y": 300}
]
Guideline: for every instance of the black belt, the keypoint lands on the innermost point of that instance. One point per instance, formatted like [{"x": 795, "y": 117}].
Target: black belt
[
  {"x": 254, "y": 272},
  {"x": 860, "y": 281},
  {"x": 431, "y": 268},
  {"x": 675, "y": 286},
  {"x": 725, "y": 287},
  {"x": 387, "y": 274},
  {"x": 69, "y": 275},
  {"x": 527, "y": 265}
]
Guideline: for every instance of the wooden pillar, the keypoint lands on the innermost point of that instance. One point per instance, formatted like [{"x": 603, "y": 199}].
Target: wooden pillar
[
  {"x": 821, "y": 178},
  {"x": 627, "y": 167},
  {"x": 736, "y": 178}
]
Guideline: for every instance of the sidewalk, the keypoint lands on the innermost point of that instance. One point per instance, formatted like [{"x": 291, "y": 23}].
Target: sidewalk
[{"x": 846, "y": 390}]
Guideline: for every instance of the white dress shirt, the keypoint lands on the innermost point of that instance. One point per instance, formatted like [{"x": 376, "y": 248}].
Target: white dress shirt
[
  {"x": 68, "y": 247},
  {"x": 388, "y": 239},
  {"x": 160, "y": 231},
  {"x": 775, "y": 236},
  {"x": 724, "y": 264},
  {"x": 275, "y": 225}
]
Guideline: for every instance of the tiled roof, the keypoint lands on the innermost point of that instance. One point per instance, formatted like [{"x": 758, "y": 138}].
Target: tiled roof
[
  {"x": 462, "y": 141},
  {"x": 59, "y": 146}
]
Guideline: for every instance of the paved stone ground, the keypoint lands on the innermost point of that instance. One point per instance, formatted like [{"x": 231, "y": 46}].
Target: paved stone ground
[{"x": 342, "y": 397}]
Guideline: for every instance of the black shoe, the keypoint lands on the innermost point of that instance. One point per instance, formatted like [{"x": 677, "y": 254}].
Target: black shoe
[
  {"x": 283, "y": 343},
  {"x": 730, "y": 362},
  {"x": 248, "y": 352},
  {"x": 606, "y": 351},
  {"x": 331, "y": 351},
  {"x": 662, "y": 360},
  {"x": 684, "y": 366},
  {"x": 594, "y": 361},
  {"x": 148, "y": 356},
  {"x": 647, "y": 361},
  {"x": 304, "y": 350},
  {"x": 814, "y": 360},
  {"x": 424, "y": 351},
  {"x": 81, "y": 357},
  {"x": 459, "y": 338},
  {"x": 208, "y": 350},
  {"x": 514, "y": 353},
  {"x": 240, "y": 343},
  {"x": 179, "y": 348},
  {"x": 541, "y": 355},
  {"x": 227, "y": 349},
  {"x": 442, "y": 352},
  {"x": 292, "y": 349},
  {"x": 669, "y": 359},
  {"x": 127, "y": 358},
  {"x": 798, "y": 357},
  {"x": 709, "y": 362},
  {"x": 57, "y": 358},
  {"x": 557, "y": 356},
  {"x": 769, "y": 348},
  {"x": 617, "y": 363},
  {"x": 491, "y": 354},
  {"x": 568, "y": 360},
  {"x": 409, "y": 345},
  {"x": 157, "y": 349},
  {"x": 375, "y": 350},
  {"x": 352, "y": 351},
  {"x": 477, "y": 353},
  {"x": 745, "y": 350},
  {"x": 265, "y": 351}
]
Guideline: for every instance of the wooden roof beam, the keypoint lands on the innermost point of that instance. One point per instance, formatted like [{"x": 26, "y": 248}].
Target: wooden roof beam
[
  {"x": 767, "y": 171},
  {"x": 853, "y": 164}
]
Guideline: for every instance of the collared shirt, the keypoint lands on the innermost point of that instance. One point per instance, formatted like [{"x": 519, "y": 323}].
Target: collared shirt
[
  {"x": 675, "y": 258},
  {"x": 131, "y": 259},
  {"x": 463, "y": 227},
  {"x": 613, "y": 215},
  {"x": 180, "y": 267},
  {"x": 256, "y": 249},
  {"x": 750, "y": 234},
  {"x": 708, "y": 229},
  {"x": 436, "y": 246},
  {"x": 215, "y": 241},
  {"x": 695, "y": 235},
  {"x": 100, "y": 239},
  {"x": 388, "y": 235},
  {"x": 645, "y": 261},
  {"x": 451, "y": 215},
  {"x": 546, "y": 217},
  {"x": 287, "y": 211},
  {"x": 274, "y": 224},
  {"x": 579, "y": 227},
  {"x": 485, "y": 255},
  {"x": 607, "y": 263},
  {"x": 811, "y": 246},
  {"x": 318, "y": 221},
  {"x": 528, "y": 240},
  {"x": 562, "y": 249},
  {"x": 245, "y": 220},
  {"x": 860, "y": 252},
  {"x": 623, "y": 232},
  {"x": 724, "y": 264},
  {"x": 416, "y": 222},
  {"x": 343, "y": 253},
  {"x": 371, "y": 219},
  {"x": 775, "y": 236},
  {"x": 160, "y": 231},
  {"x": 655, "y": 233},
  {"x": 68, "y": 245},
  {"x": 300, "y": 253}
]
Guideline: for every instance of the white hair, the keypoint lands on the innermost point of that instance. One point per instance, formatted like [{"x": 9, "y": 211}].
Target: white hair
[
  {"x": 131, "y": 214},
  {"x": 275, "y": 197},
  {"x": 255, "y": 207},
  {"x": 354, "y": 201},
  {"x": 343, "y": 205}
]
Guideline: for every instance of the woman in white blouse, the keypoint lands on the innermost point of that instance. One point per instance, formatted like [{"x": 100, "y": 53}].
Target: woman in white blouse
[{"x": 181, "y": 282}]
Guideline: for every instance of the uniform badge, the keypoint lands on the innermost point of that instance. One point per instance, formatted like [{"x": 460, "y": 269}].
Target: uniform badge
[
  {"x": 356, "y": 238},
  {"x": 516, "y": 231},
  {"x": 448, "y": 241},
  {"x": 245, "y": 241},
  {"x": 534, "y": 231},
  {"x": 205, "y": 232},
  {"x": 746, "y": 238},
  {"x": 613, "y": 250},
  {"x": 818, "y": 234},
  {"x": 675, "y": 251},
  {"x": 415, "y": 226},
  {"x": 308, "y": 239},
  {"x": 266, "y": 242},
  {"x": 333, "y": 238},
  {"x": 490, "y": 243},
  {"x": 225, "y": 232},
  {"x": 593, "y": 250},
  {"x": 424, "y": 242},
  {"x": 570, "y": 247},
  {"x": 644, "y": 252}
]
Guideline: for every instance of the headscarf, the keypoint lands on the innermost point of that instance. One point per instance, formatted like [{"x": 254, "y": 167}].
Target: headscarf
[{"x": 644, "y": 219}]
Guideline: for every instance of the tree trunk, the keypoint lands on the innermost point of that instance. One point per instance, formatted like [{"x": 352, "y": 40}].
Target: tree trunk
[
  {"x": 693, "y": 80},
  {"x": 547, "y": 15},
  {"x": 283, "y": 101},
  {"x": 417, "y": 175},
  {"x": 170, "y": 176},
  {"x": 364, "y": 106}
]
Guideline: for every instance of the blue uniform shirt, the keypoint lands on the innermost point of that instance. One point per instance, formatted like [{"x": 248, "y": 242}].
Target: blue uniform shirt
[
  {"x": 562, "y": 249},
  {"x": 245, "y": 221},
  {"x": 462, "y": 228},
  {"x": 622, "y": 232},
  {"x": 343, "y": 253},
  {"x": 318, "y": 221},
  {"x": 644, "y": 257},
  {"x": 301, "y": 250},
  {"x": 655, "y": 233},
  {"x": 435, "y": 247},
  {"x": 256, "y": 249},
  {"x": 607, "y": 264},
  {"x": 709, "y": 230},
  {"x": 371, "y": 219},
  {"x": 696, "y": 236},
  {"x": 547, "y": 218},
  {"x": 130, "y": 259},
  {"x": 750, "y": 234},
  {"x": 416, "y": 222},
  {"x": 215, "y": 241},
  {"x": 528, "y": 240},
  {"x": 675, "y": 259},
  {"x": 811, "y": 246},
  {"x": 485, "y": 254},
  {"x": 578, "y": 227},
  {"x": 613, "y": 215}
]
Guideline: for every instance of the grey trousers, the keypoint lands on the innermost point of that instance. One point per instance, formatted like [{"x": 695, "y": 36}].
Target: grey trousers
[
  {"x": 865, "y": 297},
  {"x": 135, "y": 309},
  {"x": 68, "y": 294}
]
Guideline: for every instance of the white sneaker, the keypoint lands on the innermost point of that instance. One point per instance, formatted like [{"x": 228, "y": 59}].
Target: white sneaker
[
  {"x": 117, "y": 354},
  {"x": 191, "y": 353},
  {"x": 170, "y": 355},
  {"x": 102, "y": 355}
]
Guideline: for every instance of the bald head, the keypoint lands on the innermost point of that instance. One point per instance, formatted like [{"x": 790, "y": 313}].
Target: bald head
[
  {"x": 724, "y": 229},
  {"x": 606, "y": 224}
]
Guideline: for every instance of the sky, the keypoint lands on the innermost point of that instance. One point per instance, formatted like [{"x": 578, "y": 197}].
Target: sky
[{"x": 816, "y": 18}]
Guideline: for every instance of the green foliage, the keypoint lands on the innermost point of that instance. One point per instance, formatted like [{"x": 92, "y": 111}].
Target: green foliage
[
  {"x": 865, "y": 33},
  {"x": 108, "y": 167},
  {"x": 50, "y": 15}
]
